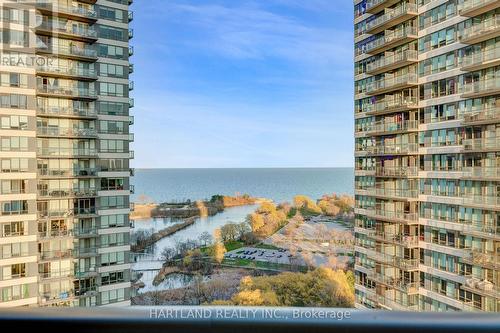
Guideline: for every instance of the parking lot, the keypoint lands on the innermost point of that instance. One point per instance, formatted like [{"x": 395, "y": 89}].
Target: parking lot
[{"x": 280, "y": 256}]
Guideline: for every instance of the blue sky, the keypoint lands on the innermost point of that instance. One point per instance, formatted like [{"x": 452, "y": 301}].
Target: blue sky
[{"x": 243, "y": 83}]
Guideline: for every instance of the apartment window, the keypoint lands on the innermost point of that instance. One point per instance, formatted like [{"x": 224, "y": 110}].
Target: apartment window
[
  {"x": 14, "y": 250},
  {"x": 14, "y": 37},
  {"x": 14, "y": 122},
  {"x": 13, "y": 186},
  {"x": 112, "y": 184},
  {"x": 112, "y": 127},
  {"x": 112, "y": 296},
  {"x": 12, "y": 229},
  {"x": 111, "y": 70},
  {"x": 14, "y": 143},
  {"x": 13, "y": 101},
  {"x": 14, "y": 207},
  {"x": 15, "y": 292},
  {"x": 113, "y": 108},
  {"x": 113, "y": 240},
  {"x": 112, "y": 221},
  {"x": 111, "y": 51},
  {"x": 112, "y": 146},
  {"x": 113, "y": 33},
  {"x": 15, "y": 80},
  {"x": 112, "y": 258},
  {"x": 14, "y": 271},
  {"x": 113, "y": 89},
  {"x": 111, "y": 278},
  {"x": 113, "y": 202},
  {"x": 437, "y": 39},
  {"x": 14, "y": 165},
  {"x": 438, "y": 14},
  {"x": 112, "y": 14}
]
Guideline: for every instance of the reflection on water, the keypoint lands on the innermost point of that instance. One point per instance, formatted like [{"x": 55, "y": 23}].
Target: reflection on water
[
  {"x": 172, "y": 281},
  {"x": 203, "y": 224}
]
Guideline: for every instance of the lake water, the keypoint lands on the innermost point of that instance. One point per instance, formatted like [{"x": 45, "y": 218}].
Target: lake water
[{"x": 278, "y": 184}]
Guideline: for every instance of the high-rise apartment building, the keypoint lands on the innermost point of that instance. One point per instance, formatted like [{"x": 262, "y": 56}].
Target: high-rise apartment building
[
  {"x": 64, "y": 152},
  {"x": 427, "y": 151}
]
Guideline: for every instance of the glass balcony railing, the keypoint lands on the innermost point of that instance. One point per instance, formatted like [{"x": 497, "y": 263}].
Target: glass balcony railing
[
  {"x": 67, "y": 111},
  {"x": 391, "y": 105},
  {"x": 57, "y": 7},
  {"x": 58, "y": 274},
  {"x": 481, "y": 87},
  {"x": 395, "y": 193},
  {"x": 67, "y": 91},
  {"x": 55, "y": 254},
  {"x": 55, "y": 233},
  {"x": 404, "y": 148},
  {"x": 391, "y": 39},
  {"x": 67, "y": 192},
  {"x": 482, "y": 200},
  {"x": 484, "y": 114},
  {"x": 391, "y": 61},
  {"x": 482, "y": 172},
  {"x": 81, "y": 232},
  {"x": 74, "y": 30},
  {"x": 391, "y": 83},
  {"x": 67, "y": 152},
  {"x": 391, "y": 17},
  {"x": 84, "y": 52},
  {"x": 388, "y": 127},
  {"x": 481, "y": 31},
  {"x": 388, "y": 171},
  {"x": 476, "y": 7},
  {"x": 71, "y": 172},
  {"x": 88, "y": 73},
  {"x": 492, "y": 143},
  {"x": 85, "y": 252},
  {"x": 477, "y": 59},
  {"x": 66, "y": 131}
]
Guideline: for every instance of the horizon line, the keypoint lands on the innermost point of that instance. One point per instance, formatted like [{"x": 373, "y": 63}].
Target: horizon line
[{"x": 212, "y": 168}]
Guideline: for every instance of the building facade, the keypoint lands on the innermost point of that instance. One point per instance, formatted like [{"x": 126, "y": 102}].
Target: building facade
[
  {"x": 427, "y": 152},
  {"x": 65, "y": 152}
]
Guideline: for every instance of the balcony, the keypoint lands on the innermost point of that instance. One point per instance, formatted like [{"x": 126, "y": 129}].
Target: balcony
[
  {"x": 67, "y": 112},
  {"x": 480, "y": 88},
  {"x": 66, "y": 132},
  {"x": 397, "y": 171},
  {"x": 73, "y": 52},
  {"x": 397, "y": 283},
  {"x": 473, "y": 8},
  {"x": 57, "y": 254},
  {"x": 67, "y": 192},
  {"x": 392, "y": 61},
  {"x": 68, "y": 72},
  {"x": 67, "y": 152},
  {"x": 481, "y": 287},
  {"x": 68, "y": 92},
  {"x": 391, "y": 216},
  {"x": 84, "y": 212},
  {"x": 485, "y": 30},
  {"x": 71, "y": 12},
  {"x": 85, "y": 252},
  {"x": 392, "y": 39},
  {"x": 482, "y": 116},
  {"x": 375, "y": 6},
  {"x": 385, "y": 128},
  {"x": 132, "y": 189},
  {"x": 55, "y": 233},
  {"x": 409, "y": 241},
  {"x": 390, "y": 106},
  {"x": 487, "y": 173},
  {"x": 86, "y": 292},
  {"x": 87, "y": 34},
  {"x": 394, "y": 149},
  {"x": 480, "y": 60},
  {"x": 389, "y": 84},
  {"x": 486, "y": 201},
  {"x": 390, "y": 193},
  {"x": 482, "y": 144},
  {"x": 85, "y": 272},
  {"x": 478, "y": 258},
  {"x": 85, "y": 232},
  {"x": 68, "y": 173},
  {"x": 392, "y": 17},
  {"x": 130, "y": 16},
  {"x": 60, "y": 274},
  {"x": 51, "y": 297}
]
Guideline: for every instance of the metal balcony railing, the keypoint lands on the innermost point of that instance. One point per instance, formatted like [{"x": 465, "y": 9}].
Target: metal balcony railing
[
  {"x": 67, "y": 91},
  {"x": 66, "y": 131},
  {"x": 67, "y": 111},
  {"x": 390, "y": 15}
]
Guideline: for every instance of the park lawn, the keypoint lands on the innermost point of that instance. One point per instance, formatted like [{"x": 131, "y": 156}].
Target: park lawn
[{"x": 233, "y": 245}]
